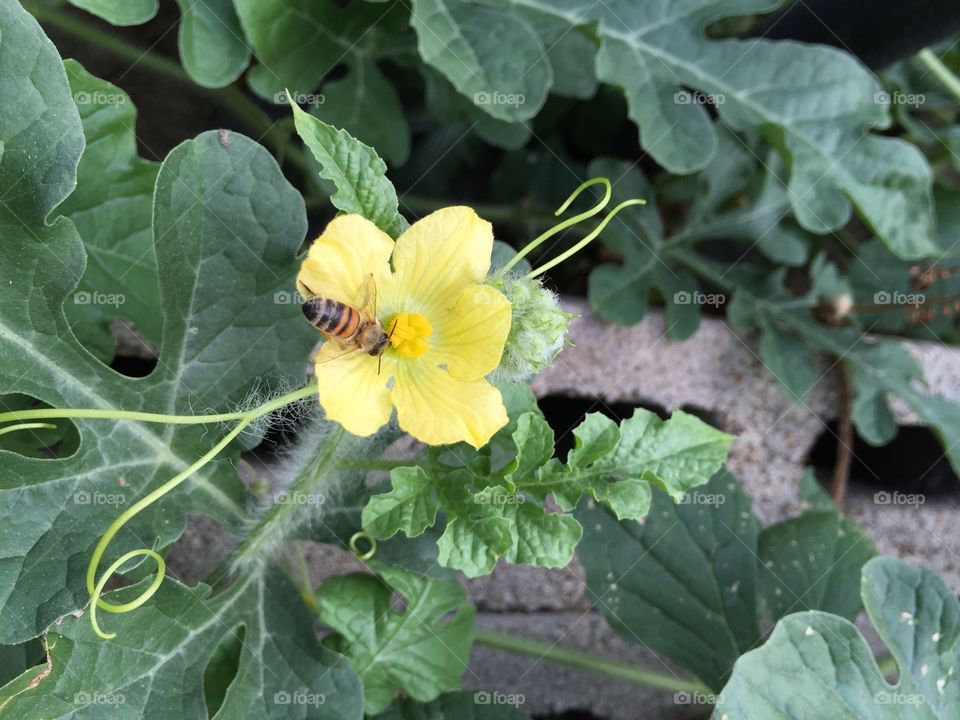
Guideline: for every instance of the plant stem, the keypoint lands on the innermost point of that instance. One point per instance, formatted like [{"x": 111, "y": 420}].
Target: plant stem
[
  {"x": 585, "y": 661},
  {"x": 943, "y": 73},
  {"x": 845, "y": 438},
  {"x": 701, "y": 267},
  {"x": 307, "y": 492}
]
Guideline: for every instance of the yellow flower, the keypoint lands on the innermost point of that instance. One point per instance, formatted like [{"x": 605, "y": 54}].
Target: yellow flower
[{"x": 447, "y": 329}]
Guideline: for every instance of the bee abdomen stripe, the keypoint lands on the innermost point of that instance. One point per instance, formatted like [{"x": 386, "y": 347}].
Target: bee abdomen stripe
[
  {"x": 353, "y": 320},
  {"x": 343, "y": 319},
  {"x": 322, "y": 313}
]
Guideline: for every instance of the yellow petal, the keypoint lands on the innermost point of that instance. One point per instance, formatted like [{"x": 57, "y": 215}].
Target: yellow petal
[
  {"x": 438, "y": 409},
  {"x": 350, "y": 248},
  {"x": 351, "y": 391},
  {"x": 469, "y": 339},
  {"x": 439, "y": 255}
]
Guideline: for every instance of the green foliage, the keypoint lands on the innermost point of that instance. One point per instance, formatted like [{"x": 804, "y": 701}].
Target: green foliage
[
  {"x": 223, "y": 217},
  {"x": 157, "y": 670},
  {"x": 692, "y": 580},
  {"x": 212, "y": 47},
  {"x": 779, "y": 190},
  {"x": 812, "y": 562},
  {"x": 818, "y": 665},
  {"x": 355, "y": 169},
  {"x": 111, "y": 209},
  {"x": 367, "y": 103},
  {"x": 415, "y": 648},
  {"x": 120, "y": 12},
  {"x": 494, "y": 501},
  {"x": 452, "y": 706}
]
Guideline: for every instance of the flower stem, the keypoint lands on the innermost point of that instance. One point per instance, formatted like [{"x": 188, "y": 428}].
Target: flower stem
[
  {"x": 943, "y": 73},
  {"x": 585, "y": 661}
]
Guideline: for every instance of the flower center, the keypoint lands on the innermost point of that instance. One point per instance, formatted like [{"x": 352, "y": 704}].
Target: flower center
[{"x": 409, "y": 333}]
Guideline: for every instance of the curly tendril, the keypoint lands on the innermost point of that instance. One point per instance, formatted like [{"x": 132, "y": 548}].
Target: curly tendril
[
  {"x": 96, "y": 586},
  {"x": 569, "y": 222},
  {"x": 355, "y": 545}
]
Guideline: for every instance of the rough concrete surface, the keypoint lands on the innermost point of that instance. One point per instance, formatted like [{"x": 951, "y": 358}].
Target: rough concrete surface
[{"x": 717, "y": 373}]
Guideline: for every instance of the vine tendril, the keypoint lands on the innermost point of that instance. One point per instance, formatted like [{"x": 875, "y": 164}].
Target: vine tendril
[
  {"x": 560, "y": 227},
  {"x": 95, "y": 586},
  {"x": 587, "y": 240},
  {"x": 354, "y": 547}
]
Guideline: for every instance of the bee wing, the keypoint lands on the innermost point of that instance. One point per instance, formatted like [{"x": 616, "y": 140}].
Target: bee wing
[
  {"x": 330, "y": 350},
  {"x": 368, "y": 306}
]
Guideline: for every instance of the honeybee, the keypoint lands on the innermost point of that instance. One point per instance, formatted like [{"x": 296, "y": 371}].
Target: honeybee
[{"x": 351, "y": 328}]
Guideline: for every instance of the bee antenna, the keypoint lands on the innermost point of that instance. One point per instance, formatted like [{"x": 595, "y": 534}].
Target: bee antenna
[{"x": 380, "y": 356}]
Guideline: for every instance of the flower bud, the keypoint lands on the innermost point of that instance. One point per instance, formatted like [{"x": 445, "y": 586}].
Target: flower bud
[{"x": 538, "y": 327}]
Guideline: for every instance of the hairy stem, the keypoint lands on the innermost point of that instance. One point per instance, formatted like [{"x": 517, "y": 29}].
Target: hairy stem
[
  {"x": 585, "y": 661},
  {"x": 309, "y": 488}
]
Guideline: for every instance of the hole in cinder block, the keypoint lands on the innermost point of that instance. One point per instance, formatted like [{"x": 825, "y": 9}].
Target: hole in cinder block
[
  {"x": 564, "y": 413},
  {"x": 710, "y": 417},
  {"x": 913, "y": 462}
]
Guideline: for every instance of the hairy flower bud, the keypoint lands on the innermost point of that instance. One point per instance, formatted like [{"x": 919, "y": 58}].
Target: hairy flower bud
[{"x": 538, "y": 328}]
